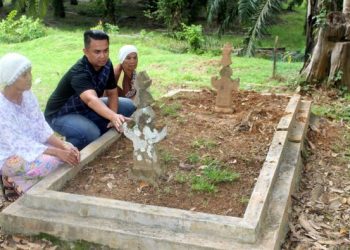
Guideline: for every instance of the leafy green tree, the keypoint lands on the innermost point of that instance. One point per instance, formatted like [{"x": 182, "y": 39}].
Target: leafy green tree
[
  {"x": 172, "y": 12},
  {"x": 256, "y": 15},
  {"x": 35, "y": 8},
  {"x": 175, "y": 12}
]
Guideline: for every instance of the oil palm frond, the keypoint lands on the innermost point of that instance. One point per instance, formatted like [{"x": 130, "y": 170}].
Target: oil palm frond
[{"x": 264, "y": 12}]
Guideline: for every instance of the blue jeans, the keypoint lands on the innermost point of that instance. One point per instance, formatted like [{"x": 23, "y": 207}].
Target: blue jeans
[{"x": 81, "y": 129}]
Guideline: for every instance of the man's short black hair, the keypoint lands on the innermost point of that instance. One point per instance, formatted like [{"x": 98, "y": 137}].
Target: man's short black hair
[{"x": 94, "y": 34}]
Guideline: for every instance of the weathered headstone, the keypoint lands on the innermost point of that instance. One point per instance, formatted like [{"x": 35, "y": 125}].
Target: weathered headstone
[
  {"x": 147, "y": 166},
  {"x": 225, "y": 85}
]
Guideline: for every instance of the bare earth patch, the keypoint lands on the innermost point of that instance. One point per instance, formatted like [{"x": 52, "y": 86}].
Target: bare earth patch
[{"x": 197, "y": 138}]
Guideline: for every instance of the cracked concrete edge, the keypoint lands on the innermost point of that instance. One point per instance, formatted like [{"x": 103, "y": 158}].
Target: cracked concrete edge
[
  {"x": 279, "y": 207},
  {"x": 116, "y": 236},
  {"x": 256, "y": 209},
  {"x": 259, "y": 201},
  {"x": 289, "y": 113},
  {"x": 276, "y": 222},
  {"x": 169, "y": 218}
]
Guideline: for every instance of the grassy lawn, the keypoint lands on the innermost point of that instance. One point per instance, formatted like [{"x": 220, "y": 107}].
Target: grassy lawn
[
  {"x": 160, "y": 55},
  {"x": 54, "y": 54}
]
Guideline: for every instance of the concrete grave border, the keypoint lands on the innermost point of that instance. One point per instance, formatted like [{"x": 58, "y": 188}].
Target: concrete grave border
[{"x": 127, "y": 225}]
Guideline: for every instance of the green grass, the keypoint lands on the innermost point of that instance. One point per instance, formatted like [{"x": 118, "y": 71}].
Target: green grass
[
  {"x": 203, "y": 143},
  {"x": 180, "y": 177},
  {"x": 201, "y": 184},
  {"x": 336, "y": 111},
  {"x": 70, "y": 245},
  {"x": 160, "y": 55},
  {"x": 290, "y": 31},
  {"x": 166, "y": 157},
  {"x": 216, "y": 175},
  {"x": 210, "y": 177},
  {"x": 193, "y": 158},
  {"x": 170, "y": 110}
]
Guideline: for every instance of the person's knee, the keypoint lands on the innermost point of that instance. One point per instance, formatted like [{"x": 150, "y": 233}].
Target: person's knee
[
  {"x": 84, "y": 138},
  {"x": 77, "y": 130},
  {"x": 130, "y": 110},
  {"x": 126, "y": 107}
]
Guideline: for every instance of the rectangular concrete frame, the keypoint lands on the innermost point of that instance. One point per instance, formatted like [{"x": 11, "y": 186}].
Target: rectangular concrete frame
[{"x": 127, "y": 225}]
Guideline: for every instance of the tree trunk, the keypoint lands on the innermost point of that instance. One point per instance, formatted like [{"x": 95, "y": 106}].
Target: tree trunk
[
  {"x": 110, "y": 11},
  {"x": 1, "y": 4},
  {"x": 58, "y": 8},
  {"x": 340, "y": 65},
  {"x": 346, "y": 7},
  {"x": 309, "y": 29},
  {"x": 329, "y": 62}
]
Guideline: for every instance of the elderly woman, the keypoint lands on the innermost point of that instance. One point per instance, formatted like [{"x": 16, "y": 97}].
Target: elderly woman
[
  {"x": 28, "y": 148},
  {"x": 125, "y": 72}
]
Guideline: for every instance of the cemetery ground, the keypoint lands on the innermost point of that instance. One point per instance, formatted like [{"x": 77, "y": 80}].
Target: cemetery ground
[
  {"x": 320, "y": 212},
  {"x": 321, "y": 206},
  {"x": 211, "y": 160}
]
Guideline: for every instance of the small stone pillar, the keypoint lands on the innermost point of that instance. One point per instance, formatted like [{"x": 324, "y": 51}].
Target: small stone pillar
[
  {"x": 144, "y": 136},
  {"x": 225, "y": 85}
]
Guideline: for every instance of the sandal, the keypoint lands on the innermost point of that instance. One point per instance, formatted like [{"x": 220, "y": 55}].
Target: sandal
[{"x": 10, "y": 189}]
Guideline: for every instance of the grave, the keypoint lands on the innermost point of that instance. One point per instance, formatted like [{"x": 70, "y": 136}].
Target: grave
[
  {"x": 126, "y": 225},
  {"x": 225, "y": 85}
]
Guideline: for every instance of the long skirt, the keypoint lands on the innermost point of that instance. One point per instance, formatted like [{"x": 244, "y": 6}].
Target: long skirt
[{"x": 25, "y": 174}]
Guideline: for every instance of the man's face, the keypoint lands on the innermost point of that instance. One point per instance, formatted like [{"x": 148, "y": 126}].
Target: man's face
[{"x": 97, "y": 53}]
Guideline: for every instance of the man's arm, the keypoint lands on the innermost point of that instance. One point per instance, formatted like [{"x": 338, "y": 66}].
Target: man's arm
[
  {"x": 91, "y": 99},
  {"x": 112, "y": 95}
]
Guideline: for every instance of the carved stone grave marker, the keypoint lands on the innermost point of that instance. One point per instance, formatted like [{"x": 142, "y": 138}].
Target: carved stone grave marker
[
  {"x": 144, "y": 136},
  {"x": 225, "y": 85}
]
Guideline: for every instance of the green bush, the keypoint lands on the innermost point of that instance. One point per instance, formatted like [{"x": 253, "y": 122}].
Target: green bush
[
  {"x": 19, "y": 30},
  {"x": 106, "y": 27},
  {"x": 193, "y": 34}
]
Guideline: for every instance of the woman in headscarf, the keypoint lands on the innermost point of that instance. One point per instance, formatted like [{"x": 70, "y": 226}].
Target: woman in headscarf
[
  {"x": 29, "y": 150},
  {"x": 125, "y": 71}
]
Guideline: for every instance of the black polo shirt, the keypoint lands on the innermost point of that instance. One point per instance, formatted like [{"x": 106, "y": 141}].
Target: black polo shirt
[{"x": 77, "y": 80}]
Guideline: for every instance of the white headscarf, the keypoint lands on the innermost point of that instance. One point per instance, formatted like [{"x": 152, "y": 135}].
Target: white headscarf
[
  {"x": 125, "y": 51},
  {"x": 12, "y": 65}
]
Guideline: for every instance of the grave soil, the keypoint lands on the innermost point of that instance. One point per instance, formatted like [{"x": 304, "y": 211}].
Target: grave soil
[{"x": 238, "y": 141}]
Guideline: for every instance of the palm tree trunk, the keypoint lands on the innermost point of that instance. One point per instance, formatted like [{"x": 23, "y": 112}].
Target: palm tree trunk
[
  {"x": 346, "y": 7},
  {"x": 58, "y": 8},
  {"x": 110, "y": 11},
  {"x": 309, "y": 29}
]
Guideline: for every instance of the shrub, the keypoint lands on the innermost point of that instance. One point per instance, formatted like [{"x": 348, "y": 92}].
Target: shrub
[
  {"x": 106, "y": 27},
  {"x": 194, "y": 36},
  {"x": 19, "y": 30}
]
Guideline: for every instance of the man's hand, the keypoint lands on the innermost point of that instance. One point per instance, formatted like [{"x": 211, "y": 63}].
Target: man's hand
[{"x": 117, "y": 122}]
